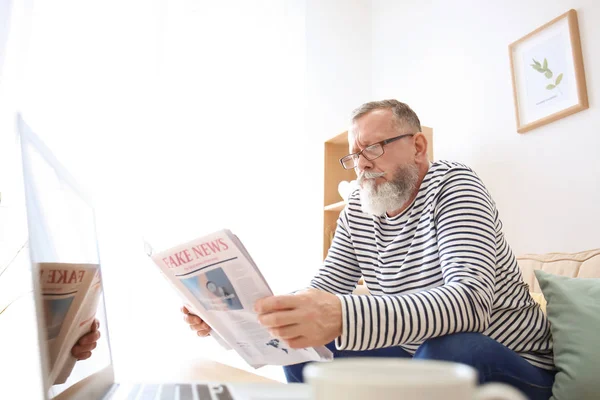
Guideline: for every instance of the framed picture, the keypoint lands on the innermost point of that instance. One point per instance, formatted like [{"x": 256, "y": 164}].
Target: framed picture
[{"x": 547, "y": 73}]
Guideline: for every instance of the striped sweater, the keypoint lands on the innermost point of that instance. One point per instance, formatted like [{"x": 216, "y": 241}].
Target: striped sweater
[{"x": 440, "y": 267}]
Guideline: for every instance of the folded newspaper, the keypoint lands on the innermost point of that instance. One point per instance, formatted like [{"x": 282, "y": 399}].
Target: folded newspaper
[
  {"x": 70, "y": 295},
  {"x": 218, "y": 281}
]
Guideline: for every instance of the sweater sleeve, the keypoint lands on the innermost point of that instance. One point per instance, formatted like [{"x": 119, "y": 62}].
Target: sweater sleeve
[
  {"x": 465, "y": 220},
  {"x": 340, "y": 271}
]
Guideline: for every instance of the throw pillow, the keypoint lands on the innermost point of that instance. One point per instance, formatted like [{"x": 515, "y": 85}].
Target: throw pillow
[{"x": 573, "y": 309}]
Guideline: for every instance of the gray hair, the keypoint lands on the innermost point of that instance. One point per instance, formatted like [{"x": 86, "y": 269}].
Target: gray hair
[{"x": 403, "y": 114}]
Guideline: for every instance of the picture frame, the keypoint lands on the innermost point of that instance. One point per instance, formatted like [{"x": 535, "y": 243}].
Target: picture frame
[{"x": 547, "y": 73}]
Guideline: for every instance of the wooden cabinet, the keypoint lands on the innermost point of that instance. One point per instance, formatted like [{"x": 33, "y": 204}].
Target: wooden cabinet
[{"x": 334, "y": 173}]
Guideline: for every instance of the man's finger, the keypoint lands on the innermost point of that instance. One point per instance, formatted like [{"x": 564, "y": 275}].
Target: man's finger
[
  {"x": 89, "y": 338},
  {"x": 280, "y": 318},
  {"x": 287, "y": 332},
  {"x": 192, "y": 319},
  {"x": 200, "y": 327},
  {"x": 203, "y": 333},
  {"x": 95, "y": 326},
  {"x": 185, "y": 310},
  {"x": 300, "y": 342},
  {"x": 81, "y": 349},
  {"x": 276, "y": 303},
  {"x": 84, "y": 356}
]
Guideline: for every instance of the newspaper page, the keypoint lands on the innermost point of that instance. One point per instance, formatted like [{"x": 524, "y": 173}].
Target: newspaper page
[
  {"x": 70, "y": 294},
  {"x": 81, "y": 326},
  {"x": 216, "y": 276}
]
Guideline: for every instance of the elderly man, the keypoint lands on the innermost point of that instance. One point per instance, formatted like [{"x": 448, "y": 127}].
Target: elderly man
[{"x": 427, "y": 239}]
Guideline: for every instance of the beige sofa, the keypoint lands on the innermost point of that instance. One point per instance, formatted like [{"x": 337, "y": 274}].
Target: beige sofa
[{"x": 585, "y": 264}]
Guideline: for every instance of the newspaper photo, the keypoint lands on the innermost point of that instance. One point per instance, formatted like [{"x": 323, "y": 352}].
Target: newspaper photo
[
  {"x": 218, "y": 281},
  {"x": 70, "y": 295}
]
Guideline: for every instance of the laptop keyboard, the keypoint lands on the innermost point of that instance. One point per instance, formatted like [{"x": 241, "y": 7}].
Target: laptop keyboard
[{"x": 172, "y": 392}]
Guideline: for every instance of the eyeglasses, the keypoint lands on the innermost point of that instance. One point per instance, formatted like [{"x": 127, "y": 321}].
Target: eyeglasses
[{"x": 370, "y": 152}]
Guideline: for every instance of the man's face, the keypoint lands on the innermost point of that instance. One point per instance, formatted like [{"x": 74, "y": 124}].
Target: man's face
[
  {"x": 389, "y": 181},
  {"x": 374, "y": 127}
]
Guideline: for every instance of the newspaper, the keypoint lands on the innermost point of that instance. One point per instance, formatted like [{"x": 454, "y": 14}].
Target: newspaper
[
  {"x": 218, "y": 281},
  {"x": 70, "y": 295}
]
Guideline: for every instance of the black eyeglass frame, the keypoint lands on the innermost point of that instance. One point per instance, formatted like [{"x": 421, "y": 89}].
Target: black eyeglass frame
[{"x": 355, "y": 156}]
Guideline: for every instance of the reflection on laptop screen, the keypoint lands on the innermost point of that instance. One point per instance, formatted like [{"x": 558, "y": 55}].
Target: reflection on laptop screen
[{"x": 65, "y": 265}]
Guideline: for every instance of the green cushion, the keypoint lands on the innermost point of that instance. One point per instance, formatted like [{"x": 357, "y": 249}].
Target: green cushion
[{"x": 574, "y": 313}]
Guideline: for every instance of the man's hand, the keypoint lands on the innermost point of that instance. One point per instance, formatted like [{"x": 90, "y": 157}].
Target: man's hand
[
  {"x": 307, "y": 319},
  {"x": 84, "y": 346},
  {"x": 195, "y": 322}
]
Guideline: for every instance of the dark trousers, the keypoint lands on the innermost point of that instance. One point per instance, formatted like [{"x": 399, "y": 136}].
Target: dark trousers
[{"x": 493, "y": 361}]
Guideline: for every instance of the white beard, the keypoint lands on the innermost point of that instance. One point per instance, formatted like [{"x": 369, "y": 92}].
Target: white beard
[{"x": 388, "y": 196}]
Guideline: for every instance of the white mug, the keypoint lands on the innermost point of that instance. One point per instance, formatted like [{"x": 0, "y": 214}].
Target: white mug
[{"x": 400, "y": 379}]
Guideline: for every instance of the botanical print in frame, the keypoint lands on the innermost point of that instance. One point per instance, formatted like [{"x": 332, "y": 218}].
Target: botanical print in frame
[{"x": 547, "y": 73}]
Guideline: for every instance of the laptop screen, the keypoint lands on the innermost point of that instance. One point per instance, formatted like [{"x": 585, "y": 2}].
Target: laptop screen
[{"x": 65, "y": 267}]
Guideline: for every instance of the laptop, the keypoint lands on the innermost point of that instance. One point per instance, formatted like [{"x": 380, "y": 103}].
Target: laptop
[{"x": 61, "y": 229}]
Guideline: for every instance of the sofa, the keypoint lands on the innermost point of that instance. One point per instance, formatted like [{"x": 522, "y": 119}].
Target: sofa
[{"x": 585, "y": 264}]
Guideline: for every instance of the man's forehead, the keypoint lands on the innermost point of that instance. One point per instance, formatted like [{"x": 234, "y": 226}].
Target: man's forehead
[{"x": 372, "y": 127}]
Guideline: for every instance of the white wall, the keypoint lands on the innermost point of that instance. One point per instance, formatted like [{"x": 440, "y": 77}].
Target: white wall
[
  {"x": 5, "y": 10},
  {"x": 449, "y": 61},
  {"x": 338, "y": 62}
]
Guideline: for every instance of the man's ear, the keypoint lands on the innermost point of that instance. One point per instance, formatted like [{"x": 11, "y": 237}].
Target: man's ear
[{"x": 420, "y": 146}]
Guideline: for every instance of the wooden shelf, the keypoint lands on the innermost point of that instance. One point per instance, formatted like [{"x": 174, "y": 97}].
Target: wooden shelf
[
  {"x": 333, "y": 173},
  {"x": 339, "y": 206}
]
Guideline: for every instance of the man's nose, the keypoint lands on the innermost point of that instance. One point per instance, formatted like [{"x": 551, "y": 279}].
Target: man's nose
[{"x": 362, "y": 164}]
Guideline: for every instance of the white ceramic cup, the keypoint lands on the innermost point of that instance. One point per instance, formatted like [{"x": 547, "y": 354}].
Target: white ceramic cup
[{"x": 400, "y": 379}]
